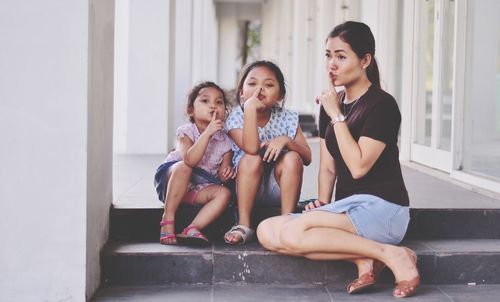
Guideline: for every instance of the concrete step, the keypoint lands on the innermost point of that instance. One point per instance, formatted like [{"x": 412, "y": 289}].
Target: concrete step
[
  {"x": 439, "y": 261},
  {"x": 143, "y": 224}
]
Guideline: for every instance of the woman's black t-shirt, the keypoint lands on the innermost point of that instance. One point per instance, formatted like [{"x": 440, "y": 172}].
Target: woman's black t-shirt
[{"x": 375, "y": 115}]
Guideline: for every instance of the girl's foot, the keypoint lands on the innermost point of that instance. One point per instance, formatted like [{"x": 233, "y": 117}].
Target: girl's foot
[
  {"x": 239, "y": 234},
  {"x": 191, "y": 235},
  {"x": 167, "y": 232}
]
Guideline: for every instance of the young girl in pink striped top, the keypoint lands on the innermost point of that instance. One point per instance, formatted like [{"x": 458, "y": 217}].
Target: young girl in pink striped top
[{"x": 195, "y": 171}]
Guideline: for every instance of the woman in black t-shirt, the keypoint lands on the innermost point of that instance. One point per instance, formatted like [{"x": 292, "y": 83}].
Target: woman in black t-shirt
[{"x": 359, "y": 156}]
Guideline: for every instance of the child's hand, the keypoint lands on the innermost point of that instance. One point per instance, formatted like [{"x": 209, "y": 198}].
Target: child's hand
[
  {"x": 214, "y": 125},
  {"x": 274, "y": 147},
  {"x": 226, "y": 173},
  {"x": 253, "y": 101}
]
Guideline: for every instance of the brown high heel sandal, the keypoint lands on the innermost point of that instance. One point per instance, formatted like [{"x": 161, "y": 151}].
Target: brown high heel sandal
[
  {"x": 366, "y": 281},
  {"x": 408, "y": 288}
]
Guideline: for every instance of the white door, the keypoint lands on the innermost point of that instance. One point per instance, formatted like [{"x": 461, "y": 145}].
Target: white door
[{"x": 432, "y": 100}]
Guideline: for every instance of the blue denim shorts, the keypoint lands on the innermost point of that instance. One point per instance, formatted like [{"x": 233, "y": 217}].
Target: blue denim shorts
[
  {"x": 199, "y": 177},
  {"x": 269, "y": 193},
  {"x": 373, "y": 217}
]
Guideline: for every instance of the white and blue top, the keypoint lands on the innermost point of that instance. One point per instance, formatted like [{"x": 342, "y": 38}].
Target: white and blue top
[{"x": 282, "y": 122}]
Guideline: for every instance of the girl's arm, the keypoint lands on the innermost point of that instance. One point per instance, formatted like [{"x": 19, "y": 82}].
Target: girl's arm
[
  {"x": 193, "y": 153},
  {"x": 249, "y": 141},
  {"x": 299, "y": 145},
  {"x": 226, "y": 171}
]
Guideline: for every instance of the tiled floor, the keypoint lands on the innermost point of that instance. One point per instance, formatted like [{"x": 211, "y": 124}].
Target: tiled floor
[
  {"x": 133, "y": 185},
  {"x": 278, "y": 293}
]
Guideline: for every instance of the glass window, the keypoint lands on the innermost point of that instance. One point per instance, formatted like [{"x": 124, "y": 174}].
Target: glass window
[
  {"x": 447, "y": 59},
  {"x": 424, "y": 105},
  {"x": 482, "y": 103}
]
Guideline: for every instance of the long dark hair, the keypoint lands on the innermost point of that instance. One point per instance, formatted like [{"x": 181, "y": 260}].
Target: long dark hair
[
  {"x": 193, "y": 94},
  {"x": 359, "y": 36},
  {"x": 262, "y": 63}
]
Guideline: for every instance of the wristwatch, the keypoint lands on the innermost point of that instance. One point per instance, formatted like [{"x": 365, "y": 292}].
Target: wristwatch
[{"x": 339, "y": 118}]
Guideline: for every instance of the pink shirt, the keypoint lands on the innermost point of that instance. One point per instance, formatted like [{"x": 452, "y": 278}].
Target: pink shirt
[{"x": 218, "y": 145}]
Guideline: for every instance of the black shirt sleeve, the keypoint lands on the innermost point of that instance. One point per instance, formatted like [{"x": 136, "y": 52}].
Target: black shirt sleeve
[{"x": 382, "y": 122}]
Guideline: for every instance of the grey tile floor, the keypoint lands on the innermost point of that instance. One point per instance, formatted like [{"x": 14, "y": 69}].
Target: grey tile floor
[
  {"x": 133, "y": 184},
  {"x": 261, "y": 293}
]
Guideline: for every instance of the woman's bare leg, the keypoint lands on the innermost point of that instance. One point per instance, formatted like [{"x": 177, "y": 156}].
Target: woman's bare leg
[{"x": 306, "y": 235}]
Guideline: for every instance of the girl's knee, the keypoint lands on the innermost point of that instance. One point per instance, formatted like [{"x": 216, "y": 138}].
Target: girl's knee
[
  {"x": 250, "y": 164},
  {"x": 224, "y": 194},
  {"x": 181, "y": 168},
  {"x": 292, "y": 160}
]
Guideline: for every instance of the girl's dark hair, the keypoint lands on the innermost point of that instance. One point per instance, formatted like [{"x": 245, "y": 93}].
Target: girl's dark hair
[
  {"x": 359, "y": 36},
  {"x": 193, "y": 93},
  {"x": 262, "y": 63}
]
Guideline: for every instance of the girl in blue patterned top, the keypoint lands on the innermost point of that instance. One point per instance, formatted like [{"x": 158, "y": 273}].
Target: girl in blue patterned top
[{"x": 270, "y": 149}]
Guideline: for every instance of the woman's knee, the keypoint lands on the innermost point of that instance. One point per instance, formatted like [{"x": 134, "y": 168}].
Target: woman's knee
[
  {"x": 291, "y": 238},
  {"x": 250, "y": 164},
  {"x": 267, "y": 235}
]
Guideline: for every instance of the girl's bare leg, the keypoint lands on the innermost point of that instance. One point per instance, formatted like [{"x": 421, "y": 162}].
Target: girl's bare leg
[
  {"x": 215, "y": 199},
  {"x": 247, "y": 184},
  {"x": 288, "y": 174},
  {"x": 177, "y": 183}
]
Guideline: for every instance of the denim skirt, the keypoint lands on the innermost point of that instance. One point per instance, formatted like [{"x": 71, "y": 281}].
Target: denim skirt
[{"x": 373, "y": 217}]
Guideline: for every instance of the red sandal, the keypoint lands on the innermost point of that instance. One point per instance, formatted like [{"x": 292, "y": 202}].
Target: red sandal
[
  {"x": 165, "y": 237},
  {"x": 196, "y": 238}
]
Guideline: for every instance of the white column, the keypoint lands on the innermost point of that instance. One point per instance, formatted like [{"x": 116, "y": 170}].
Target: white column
[
  {"x": 298, "y": 79},
  {"x": 228, "y": 55},
  {"x": 121, "y": 75},
  {"x": 183, "y": 61},
  {"x": 55, "y": 124},
  {"x": 148, "y": 57},
  {"x": 204, "y": 35}
]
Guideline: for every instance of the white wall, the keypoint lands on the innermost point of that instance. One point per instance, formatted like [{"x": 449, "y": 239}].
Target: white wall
[
  {"x": 45, "y": 119},
  {"x": 100, "y": 136}
]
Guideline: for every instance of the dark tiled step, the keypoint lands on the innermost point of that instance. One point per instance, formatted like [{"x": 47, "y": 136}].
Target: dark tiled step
[
  {"x": 143, "y": 224},
  {"x": 439, "y": 262}
]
